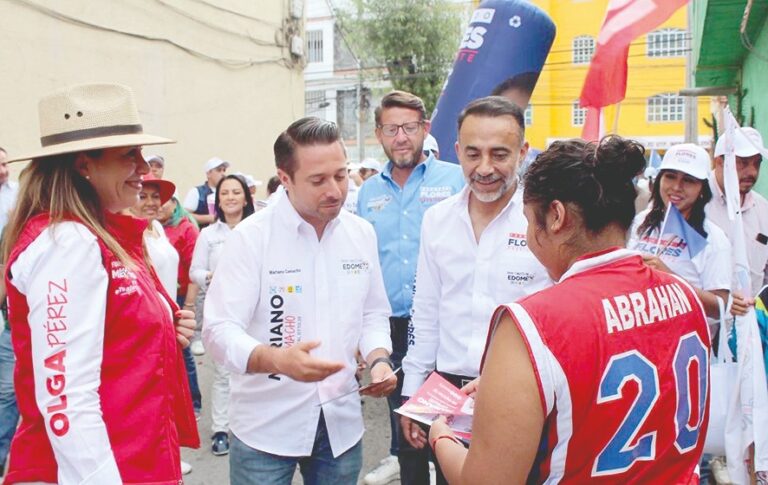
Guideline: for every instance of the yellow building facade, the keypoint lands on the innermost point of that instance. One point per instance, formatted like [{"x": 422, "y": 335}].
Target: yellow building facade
[{"x": 652, "y": 111}]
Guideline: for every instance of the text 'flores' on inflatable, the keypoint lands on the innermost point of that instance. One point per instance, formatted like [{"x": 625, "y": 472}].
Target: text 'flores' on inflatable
[{"x": 502, "y": 52}]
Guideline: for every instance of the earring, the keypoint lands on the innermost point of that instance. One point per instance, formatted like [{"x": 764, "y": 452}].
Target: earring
[{"x": 87, "y": 177}]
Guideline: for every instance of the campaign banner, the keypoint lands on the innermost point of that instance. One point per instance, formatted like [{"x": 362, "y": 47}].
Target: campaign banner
[
  {"x": 438, "y": 397},
  {"x": 502, "y": 52}
]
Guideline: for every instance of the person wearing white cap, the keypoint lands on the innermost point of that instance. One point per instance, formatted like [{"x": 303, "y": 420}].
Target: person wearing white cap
[
  {"x": 682, "y": 182},
  {"x": 368, "y": 168},
  {"x": 156, "y": 165},
  {"x": 253, "y": 184},
  {"x": 200, "y": 200},
  {"x": 431, "y": 146},
  {"x": 750, "y": 151}
]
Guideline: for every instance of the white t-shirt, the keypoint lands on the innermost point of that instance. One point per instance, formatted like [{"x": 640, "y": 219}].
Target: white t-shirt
[
  {"x": 709, "y": 270},
  {"x": 193, "y": 197},
  {"x": 164, "y": 258}
]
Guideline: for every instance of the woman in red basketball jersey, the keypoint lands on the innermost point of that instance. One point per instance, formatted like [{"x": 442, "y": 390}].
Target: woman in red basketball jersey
[{"x": 602, "y": 378}]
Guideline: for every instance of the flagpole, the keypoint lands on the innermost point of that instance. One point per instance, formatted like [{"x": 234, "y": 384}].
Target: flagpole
[
  {"x": 616, "y": 119},
  {"x": 661, "y": 230}
]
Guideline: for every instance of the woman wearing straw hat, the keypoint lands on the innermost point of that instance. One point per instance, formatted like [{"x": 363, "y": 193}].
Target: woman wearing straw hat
[{"x": 99, "y": 373}]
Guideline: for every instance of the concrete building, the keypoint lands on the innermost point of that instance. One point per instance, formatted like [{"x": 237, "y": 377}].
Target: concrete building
[{"x": 217, "y": 76}]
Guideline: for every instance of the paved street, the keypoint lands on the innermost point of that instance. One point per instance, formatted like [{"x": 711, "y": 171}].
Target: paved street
[{"x": 214, "y": 470}]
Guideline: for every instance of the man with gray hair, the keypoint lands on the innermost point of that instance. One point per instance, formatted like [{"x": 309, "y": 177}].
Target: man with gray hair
[
  {"x": 297, "y": 293},
  {"x": 473, "y": 254}
]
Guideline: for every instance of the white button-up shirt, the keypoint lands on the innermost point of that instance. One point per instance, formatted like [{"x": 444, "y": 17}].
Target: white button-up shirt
[
  {"x": 277, "y": 284},
  {"x": 460, "y": 282},
  {"x": 208, "y": 249},
  {"x": 754, "y": 216}
]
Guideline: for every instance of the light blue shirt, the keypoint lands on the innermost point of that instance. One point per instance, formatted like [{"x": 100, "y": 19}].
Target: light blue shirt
[{"x": 396, "y": 216}]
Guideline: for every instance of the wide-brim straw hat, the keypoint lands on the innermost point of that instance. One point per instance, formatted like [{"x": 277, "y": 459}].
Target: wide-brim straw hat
[{"x": 89, "y": 117}]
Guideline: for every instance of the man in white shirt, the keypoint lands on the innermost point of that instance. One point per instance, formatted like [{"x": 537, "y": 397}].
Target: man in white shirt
[
  {"x": 297, "y": 293},
  {"x": 473, "y": 255},
  {"x": 748, "y": 145}
]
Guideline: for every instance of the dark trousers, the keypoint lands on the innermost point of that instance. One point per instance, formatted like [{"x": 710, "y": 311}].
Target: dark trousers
[
  {"x": 189, "y": 363},
  {"x": 414, "y": 464}
]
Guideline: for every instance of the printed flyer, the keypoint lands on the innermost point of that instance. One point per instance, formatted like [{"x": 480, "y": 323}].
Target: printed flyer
[{"x": 438, "y": 397}]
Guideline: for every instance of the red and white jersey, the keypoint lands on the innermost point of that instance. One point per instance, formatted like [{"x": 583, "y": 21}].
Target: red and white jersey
[{"x": 622, "y": 364}]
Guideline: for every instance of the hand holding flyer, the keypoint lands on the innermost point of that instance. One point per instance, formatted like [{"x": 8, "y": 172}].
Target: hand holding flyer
[{"x": 438, "y": 397}]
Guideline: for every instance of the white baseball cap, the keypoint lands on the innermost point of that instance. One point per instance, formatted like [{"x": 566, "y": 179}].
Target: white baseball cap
[
  {"x": 687, "y": 158},
  {"x": 252, "y": 182},
  {"x": 215, "y": 162},
  {"x": 430, "y": 144},
  {"x": 746, "y": 143},
  {"x": 371, "y": 164}
]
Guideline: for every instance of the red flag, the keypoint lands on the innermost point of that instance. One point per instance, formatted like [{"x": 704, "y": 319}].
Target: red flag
[{"x": 626, "y": 20}]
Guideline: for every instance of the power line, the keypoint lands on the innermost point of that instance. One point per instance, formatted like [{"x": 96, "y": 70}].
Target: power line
[
  {"x": 229, "y": 63},
  {"x": 239, "y": 14},
  {"x": 216, "y": 27}
]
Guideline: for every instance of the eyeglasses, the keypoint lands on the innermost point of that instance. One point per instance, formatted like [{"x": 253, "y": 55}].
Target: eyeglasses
[{"x": 410, "y": 128}]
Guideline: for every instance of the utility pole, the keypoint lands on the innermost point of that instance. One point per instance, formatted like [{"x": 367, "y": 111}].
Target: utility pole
[{"x": 360, "y": 112}]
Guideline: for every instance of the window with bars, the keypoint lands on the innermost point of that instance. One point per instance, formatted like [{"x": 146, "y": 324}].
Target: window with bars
[
  {"x": 528, "y": 115},
  {"x": 665, "y": 107},
  {"x": 313, "y": 103},
  {"x": 583, "y": 49},
  {"x": 667, "y": 43},
  {"x": 578, "y": 114},
  {"x": 314, "y": 46}
]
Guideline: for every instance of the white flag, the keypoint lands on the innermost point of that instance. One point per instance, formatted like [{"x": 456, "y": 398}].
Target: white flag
[{"x": 753, "y": 392}]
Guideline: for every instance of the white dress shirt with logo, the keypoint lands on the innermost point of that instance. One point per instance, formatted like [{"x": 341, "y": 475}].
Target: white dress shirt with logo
[
  {"x": 754, "y": 216},
  {"x": 277, "y": 284},
  {"x": 460, "y": 282}
]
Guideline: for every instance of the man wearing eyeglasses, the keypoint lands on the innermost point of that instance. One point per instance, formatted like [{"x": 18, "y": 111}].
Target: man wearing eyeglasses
[{"x": 394, "y": 201}]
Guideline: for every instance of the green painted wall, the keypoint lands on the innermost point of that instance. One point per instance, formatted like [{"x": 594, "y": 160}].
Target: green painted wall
[{"x": 754, "y": 78}]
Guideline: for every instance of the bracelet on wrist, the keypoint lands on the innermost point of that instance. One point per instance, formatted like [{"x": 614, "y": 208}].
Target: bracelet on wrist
[
  {"x": 190, "y": 305},
  {"x": 433, "y": 443},
  {"x": 378, "y": 360}
]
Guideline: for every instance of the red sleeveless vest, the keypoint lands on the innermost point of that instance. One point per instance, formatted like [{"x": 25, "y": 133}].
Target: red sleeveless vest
[{"x": 144, "y": 392}]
